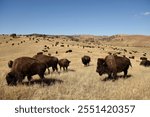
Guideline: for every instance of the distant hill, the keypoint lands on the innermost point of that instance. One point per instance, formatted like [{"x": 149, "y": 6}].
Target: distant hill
[
  {"x": 129, "y": 40},
  {"x": 115, "y": 40}
]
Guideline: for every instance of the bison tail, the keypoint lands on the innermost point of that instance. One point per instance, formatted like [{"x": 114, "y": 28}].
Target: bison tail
[
  {"x": 130, "y": 64},
  {"x": 10, "y": 63}
]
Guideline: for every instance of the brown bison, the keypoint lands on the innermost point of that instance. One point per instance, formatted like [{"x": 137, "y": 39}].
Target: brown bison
[
  {"x": 50, "y": 61},
  {"x": 145, "y": 63},
  {"x": 25, "y": 66},
  {"x": 86, "y": 60},
  {"x": 143, "y": 58},
  {"x": 64, "y": 63},
  {"x": 68, "y": 51},
  {"x": 131, "y": 57},
  {"x": 113, "y": 64}
]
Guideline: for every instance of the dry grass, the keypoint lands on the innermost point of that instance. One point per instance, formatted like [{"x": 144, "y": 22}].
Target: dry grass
[{"x": 79, "y": 82}]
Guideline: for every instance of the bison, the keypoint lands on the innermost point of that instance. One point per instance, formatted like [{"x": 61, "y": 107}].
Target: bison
[
  {"x": 131, "y": 57},
  {"x": 68, "y": 51},
  {"x": 25, "y": 66},
  {"x": 145, "y": 63},
  {"x": 50, "y": 61},
  {"x": 64, "y": 63},
  {"x": 143, "y": 58},
  {"x": 112, "y": 64},
  {"x": 86, "y": 60}
]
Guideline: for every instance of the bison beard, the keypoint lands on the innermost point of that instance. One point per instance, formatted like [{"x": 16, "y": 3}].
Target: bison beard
[{"x": 113, "y": 64}]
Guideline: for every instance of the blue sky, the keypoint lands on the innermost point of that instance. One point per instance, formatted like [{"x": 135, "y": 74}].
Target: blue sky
[{"x": 97, "y": 17}]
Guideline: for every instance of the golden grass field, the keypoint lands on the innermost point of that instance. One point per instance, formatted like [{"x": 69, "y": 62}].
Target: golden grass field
[{"x": 79, "y": 82}]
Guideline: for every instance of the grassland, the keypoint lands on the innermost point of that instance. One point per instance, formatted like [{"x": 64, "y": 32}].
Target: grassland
[{"x": 79, "y": 82}]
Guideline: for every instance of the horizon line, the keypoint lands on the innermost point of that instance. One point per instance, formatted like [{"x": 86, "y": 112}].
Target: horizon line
[{"x": 71, "y": 34}]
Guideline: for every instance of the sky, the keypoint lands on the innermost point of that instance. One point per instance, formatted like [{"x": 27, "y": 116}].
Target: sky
[{"x": 73, "y": 17}]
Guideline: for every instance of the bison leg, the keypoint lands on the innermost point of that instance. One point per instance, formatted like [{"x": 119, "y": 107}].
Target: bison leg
[
  {"x": 109, "y": 76},
  {"x": 60, "y": 68},
  {"x": 56, "y": 68},
  {"x": 64, "y": 68},
  {"x": 29, "y": 79},
  {"x": 20, "y": 81},
  {"x": 20, "y": 78},
  {"x": 53, "y": 69},
  {"x": 48, "y": 70},
  {"x": 42, "y": 78},
  {"x": 114, "y": 76},
  {"x": 125, "y": 73}
]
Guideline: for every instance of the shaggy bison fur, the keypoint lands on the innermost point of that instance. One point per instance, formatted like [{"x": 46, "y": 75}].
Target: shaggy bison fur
[
  {"x": 50, "y": 61},
  {"x": 64, "y": 63},
  {"x": 25, "y": 66},
  {"x": 86, "y": 60},
  {"x": 113, "y": 64},
  {"x": 145, "y": 63}
]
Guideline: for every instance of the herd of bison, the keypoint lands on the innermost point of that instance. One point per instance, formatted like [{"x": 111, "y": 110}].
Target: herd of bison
[{"x": 28, "y": 66}]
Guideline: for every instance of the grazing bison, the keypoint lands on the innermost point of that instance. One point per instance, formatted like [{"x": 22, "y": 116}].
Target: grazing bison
[
  {"x": 131, "y": 57},
  {"x": 86, "y": 60},
  {"x": 64, "y": 63},
  {"x": 111, "y": 65},
  {"x": 25, "y": 66},
  {"x": 144, "y": 54},
  {"x": 143, "y": 58},
  {"x": 68, "y": 51},
  {"x": 10, "y": 63},
  {"x": 50, "y": 61},
  {"x": 145, "y": 63}
]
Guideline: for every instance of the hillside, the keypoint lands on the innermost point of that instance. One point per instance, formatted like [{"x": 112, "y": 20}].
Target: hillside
[{"x": 79, "y": 82}]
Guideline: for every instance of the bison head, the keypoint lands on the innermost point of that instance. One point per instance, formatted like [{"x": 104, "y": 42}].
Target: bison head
[
  {"x": 11, "y": 78},
  {"x": 69, "y": 61},
  {"x": 101, "y": 66}
]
